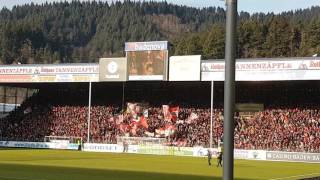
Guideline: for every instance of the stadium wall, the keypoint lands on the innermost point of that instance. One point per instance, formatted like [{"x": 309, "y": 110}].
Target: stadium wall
[{"x": 261, "y": 155}]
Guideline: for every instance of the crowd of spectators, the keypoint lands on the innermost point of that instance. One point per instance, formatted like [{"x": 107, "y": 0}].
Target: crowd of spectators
[{"x": 285, "y": 129}]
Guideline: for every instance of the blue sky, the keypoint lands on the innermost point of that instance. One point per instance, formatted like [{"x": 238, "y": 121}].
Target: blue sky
[{"x": 251, "y": 6}]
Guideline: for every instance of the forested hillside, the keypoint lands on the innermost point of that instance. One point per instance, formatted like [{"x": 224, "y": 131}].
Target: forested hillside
[{"x": 84, "y": 31}]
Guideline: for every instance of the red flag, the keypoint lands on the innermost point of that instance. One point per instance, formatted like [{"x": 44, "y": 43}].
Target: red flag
[
  {"x": 143, "y": 122},
  {"x": 134, "y": 129},
  {"x": 124, "y": 127},
  {"x": 174, "y": 111},
  {"x": 135, "y": 119},
  {"x": 170, "y": 113}
]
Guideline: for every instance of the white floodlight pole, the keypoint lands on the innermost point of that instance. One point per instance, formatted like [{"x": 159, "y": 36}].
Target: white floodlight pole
[
  {"x": 89, "y": 113},
  {"x": 211, "y": 115}
]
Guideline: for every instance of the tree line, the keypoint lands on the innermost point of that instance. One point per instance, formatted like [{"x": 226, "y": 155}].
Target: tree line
[{"x": 85, "y": 31}]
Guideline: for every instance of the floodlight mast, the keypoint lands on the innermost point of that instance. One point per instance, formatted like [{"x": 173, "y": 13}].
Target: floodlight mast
[
  {"x": 89, "y": 112},
  {"x": 229, "y": 90},
  {"x": 211, "y": 114}
]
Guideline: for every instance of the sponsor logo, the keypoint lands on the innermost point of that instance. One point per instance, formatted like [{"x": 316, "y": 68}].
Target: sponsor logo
[
  {"x": 101, "y": 147},
  {"x": 112, "y": 76},
  {"x": 36, "y": 71},
  {"x": 269, "y": 156},
  {"x": 112, "y": 67},
  {"x": 31, "y": 145},
  {"x": 38, "y": 145},
  {"x": 292, "y": 156},
  {"x": 146, "y": 46}
]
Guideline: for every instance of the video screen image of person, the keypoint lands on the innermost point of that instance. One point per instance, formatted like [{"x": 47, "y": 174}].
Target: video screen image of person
[{"x": 146, "y": 62}]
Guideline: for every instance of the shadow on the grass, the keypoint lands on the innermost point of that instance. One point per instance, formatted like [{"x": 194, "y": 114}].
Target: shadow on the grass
[
  {"x": 314, "y": 178},
  {"x": 32, "y": 172}
]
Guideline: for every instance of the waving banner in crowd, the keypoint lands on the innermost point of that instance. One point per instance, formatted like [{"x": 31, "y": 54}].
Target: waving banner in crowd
[
  {"x": 174, "y": 113},
  {"x": 170, "y": 116},
  {"x": 193, "y": 116},
  {"x": 135, "y": 120},
  {"x": 166, "y": 112},
  {"x": 166, "y": 131},
  {"x": 138, "y": 114},
  {"x": 170, "y": 113}
]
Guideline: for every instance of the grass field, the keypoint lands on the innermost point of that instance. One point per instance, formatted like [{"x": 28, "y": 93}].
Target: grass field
[{"x": 55, "y": 164}]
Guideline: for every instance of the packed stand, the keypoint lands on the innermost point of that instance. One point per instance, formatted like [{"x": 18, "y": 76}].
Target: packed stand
[{"x": 285, "y": 129}]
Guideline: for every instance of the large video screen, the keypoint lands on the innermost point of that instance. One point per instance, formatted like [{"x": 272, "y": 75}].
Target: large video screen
[
  {"x": 147, "y": 65},
  {"x": 147, "y": 60}
]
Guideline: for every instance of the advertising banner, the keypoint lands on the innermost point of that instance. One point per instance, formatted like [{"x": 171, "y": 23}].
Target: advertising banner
[
  {"x": 293, "y": 156},
  {"x": 38, "y": 145},
  {"x": 265, "y": 70},
  {"x": 17, "y": 144},
  {"x": 199, "y": 151},
  {"x": 113, "y": 69},
  {"x": 250, "y": 154},
  {"x": 15, "y": 78},
  {"x": 184, "y": 68},
  {"x": 147, "y": 65},
  {"x": 146, "y": 46},
  {"x": 165, "y": 150},
  {"x": 238, "y": 153},
  {"x": 102, "y": 147},
  {"x": 113, "y": 148},
  {"x": 49, "y": 73}
]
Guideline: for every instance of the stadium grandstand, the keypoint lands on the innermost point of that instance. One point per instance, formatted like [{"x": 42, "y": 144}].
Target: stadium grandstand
[
  {"x": 142, "y": 98},
  {"x": 61, "y": 110}
]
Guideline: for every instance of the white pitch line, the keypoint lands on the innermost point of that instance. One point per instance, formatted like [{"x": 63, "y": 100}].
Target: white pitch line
[
  {"x": 305, "y": 175},
  {"x": 17, "y": 178}
]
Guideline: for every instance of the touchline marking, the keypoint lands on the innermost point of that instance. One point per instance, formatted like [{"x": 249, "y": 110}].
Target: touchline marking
[
  {"x": 305, "y": 175},
  {"x": 16, "y": 178}
]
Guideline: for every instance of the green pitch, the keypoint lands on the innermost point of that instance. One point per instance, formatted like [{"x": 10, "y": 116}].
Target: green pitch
[{"x": 25, "y": 164}]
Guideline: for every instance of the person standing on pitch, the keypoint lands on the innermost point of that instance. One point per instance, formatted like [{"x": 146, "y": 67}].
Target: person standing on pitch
[
  {"x": 79, "y": 145},
  {"x": 125, "y": 146},
  {"x": 220, "y": 156},
  {"x": 209, "y": 157}
]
